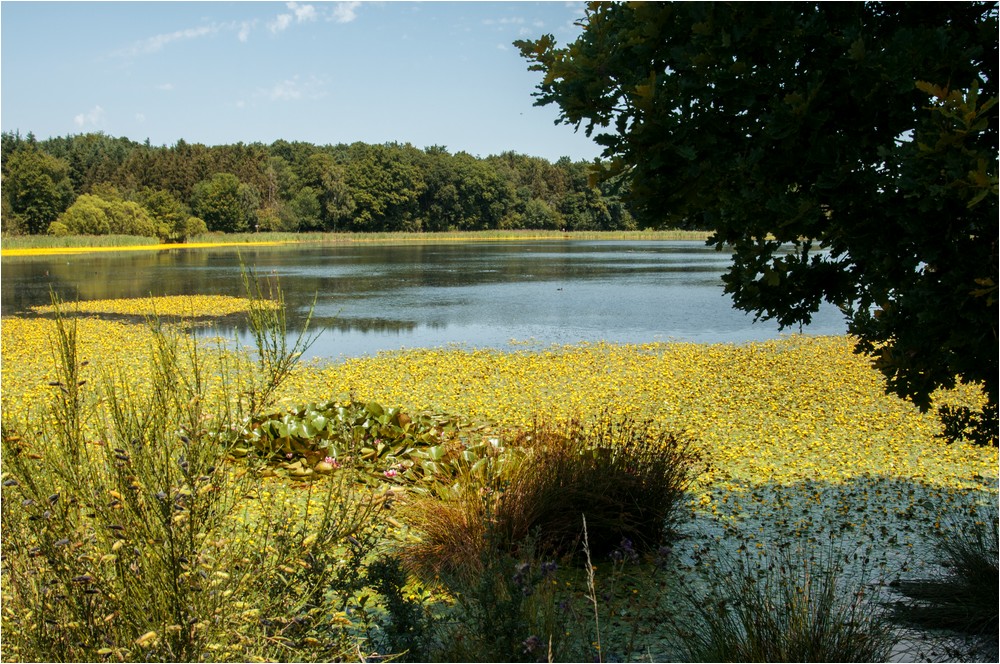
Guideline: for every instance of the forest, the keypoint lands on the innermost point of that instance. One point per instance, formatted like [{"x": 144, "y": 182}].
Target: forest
[{"x": 95, "y": 184}]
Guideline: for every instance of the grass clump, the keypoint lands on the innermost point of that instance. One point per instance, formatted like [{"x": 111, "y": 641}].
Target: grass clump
[
  {"x": 965, "y": 598},
  {"x": 790, "y": 608},
  {"x": 627, "y": 478},
  {"x": 505, "y": 540}
]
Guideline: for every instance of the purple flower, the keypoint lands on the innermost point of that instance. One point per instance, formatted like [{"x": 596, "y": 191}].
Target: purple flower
[{"x": 392, "y": 472}]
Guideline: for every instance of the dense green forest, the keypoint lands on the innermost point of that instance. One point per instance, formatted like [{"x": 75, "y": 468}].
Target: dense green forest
[{"x": 97, "y": 184}]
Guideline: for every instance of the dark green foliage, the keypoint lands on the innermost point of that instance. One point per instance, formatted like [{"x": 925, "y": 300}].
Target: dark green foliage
[
  {"x": 36, "y": 189},
  {"x": 846, "y": 152},
  {"x": 409, "y": 628},
  {"x": 303, "y": 187},
  {"x": 223, "y": 202}
]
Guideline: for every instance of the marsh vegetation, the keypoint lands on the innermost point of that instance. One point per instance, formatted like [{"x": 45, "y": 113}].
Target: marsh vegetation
[{"x": 174, "y": 498}]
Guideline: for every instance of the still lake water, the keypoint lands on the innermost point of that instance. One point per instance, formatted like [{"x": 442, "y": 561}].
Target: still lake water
[{"x": 479, "y": 294}]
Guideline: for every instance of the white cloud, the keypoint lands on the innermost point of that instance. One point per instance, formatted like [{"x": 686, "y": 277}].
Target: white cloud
[
  {"x": 93, "y": 117},
  {"x": 140, "y": 117},
  {"x": 280, "y": 22},
  {"x": 302, "y": 12},
  {"x": 298, "y": 14},
  {"x": 294, "y": 89},
  {"x": 166, "y": 87},
  {"x": 343, "y": 12},
  {"x": 244, "y": 34}
]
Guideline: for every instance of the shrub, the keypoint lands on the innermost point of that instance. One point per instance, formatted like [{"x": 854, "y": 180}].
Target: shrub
[
  {"x": 131, "y": 533},
  {"x": 195, "y": 226},
  {"x": 58, "y": 229},
  {"x": 787, "y": 608},
  {"x": 87, "y": 216}
]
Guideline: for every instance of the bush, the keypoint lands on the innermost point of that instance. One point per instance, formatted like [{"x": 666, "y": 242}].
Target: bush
[
  {"x": 93, "y": 215},
  {"x": 195, "y": 226},
  {"x": 130, "y": 218},
  {"x": 58, "y": 229}
]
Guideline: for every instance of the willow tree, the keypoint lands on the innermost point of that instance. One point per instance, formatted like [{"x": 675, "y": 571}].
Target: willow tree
[{"x": 845, "y": 152}]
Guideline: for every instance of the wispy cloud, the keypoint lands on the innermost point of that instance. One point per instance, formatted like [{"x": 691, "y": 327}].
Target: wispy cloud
[
  {"x": 166, "y": 87},
  {"x": 514, "y": 20},
  {"x": 339, "y": 12},
  {"x": 295, "y": 88},
  {"x": 158, "y": 42},
  {"x": 92, "y": 118}
]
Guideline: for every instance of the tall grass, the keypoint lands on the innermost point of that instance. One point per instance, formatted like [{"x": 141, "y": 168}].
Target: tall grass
[
  {"x": 627, "y": 478},
  {"x": 506, "y": 539},
  {"x": 131, "y": 533},
  {"x": 51, "y": 241},
  {"x": 791, "y": 607},
  {"x": 965, "y": 599},
  {"x": 449, "y": 236},
  {"x": 48, "y": 242}
]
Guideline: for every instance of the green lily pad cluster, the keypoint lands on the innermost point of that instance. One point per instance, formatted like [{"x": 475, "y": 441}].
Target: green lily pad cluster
[{"x": 388, "y": 443}]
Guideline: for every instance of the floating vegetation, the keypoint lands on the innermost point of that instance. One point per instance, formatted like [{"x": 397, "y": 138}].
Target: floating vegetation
[
  {"x": 799, "y": 442},
  {"x": 192, "y": 306}
]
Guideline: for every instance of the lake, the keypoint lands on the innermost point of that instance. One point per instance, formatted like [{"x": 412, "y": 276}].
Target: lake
[{"x": 506, "y": 295}]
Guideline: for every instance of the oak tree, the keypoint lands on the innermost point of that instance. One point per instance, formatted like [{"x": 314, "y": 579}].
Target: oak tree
[{"x": 844, "y": 152}]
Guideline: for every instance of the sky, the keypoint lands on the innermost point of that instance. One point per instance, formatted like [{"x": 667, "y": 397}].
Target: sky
[{"x": 425, "y": 73}]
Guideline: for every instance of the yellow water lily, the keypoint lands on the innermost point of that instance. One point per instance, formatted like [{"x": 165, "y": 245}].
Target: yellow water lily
[{"x": 171, "y": 305}]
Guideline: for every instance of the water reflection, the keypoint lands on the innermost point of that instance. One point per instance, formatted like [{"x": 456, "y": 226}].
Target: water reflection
[{"x": 371, "y": 298}]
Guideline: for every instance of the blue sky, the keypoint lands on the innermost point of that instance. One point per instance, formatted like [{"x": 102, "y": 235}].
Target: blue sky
[{"x": 427, "y": 73}]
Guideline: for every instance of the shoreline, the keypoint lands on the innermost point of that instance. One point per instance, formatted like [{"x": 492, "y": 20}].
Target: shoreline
[{"x": 281, "y": 239}]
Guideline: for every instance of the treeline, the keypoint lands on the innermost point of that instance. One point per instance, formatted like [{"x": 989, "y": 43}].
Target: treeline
[{"x": 98, "y": 184}]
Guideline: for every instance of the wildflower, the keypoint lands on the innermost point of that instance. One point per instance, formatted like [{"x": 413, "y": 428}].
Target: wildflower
[
  {"x": 330, "y": 460},
  {"x": 392, "y": 472},
  {"x": 625, "y": 552}
]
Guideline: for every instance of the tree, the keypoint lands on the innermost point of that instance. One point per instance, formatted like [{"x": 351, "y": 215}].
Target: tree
[
  {"x": 221, "y": 202},
  {"x": 36, "y": 189},
  {"x": 169, "y": 213},
  {"x": 91, "y": 214},
  {"x": 385, "y": 183},
  {"x": 845, "y": 152}
]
